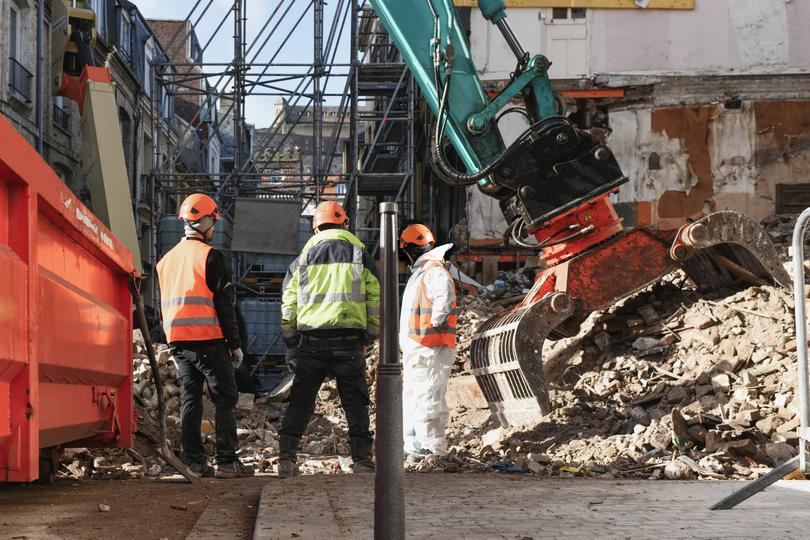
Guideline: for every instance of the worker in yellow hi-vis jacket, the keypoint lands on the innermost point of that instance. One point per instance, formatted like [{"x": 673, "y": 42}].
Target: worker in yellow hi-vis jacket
[{"x": 330, "y": 312}]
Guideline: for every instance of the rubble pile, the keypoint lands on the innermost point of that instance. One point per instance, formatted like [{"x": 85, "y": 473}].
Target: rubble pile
[
  {"x": 780, "y": 228},
  {"x": 669, "y": 383},
  {"x": 509, "y": 285},
  {"x": 258, "y": 422}
]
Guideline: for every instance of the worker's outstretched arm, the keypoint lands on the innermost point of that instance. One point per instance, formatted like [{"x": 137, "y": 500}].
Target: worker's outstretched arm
[
  {"x": 441, "y": 291},
  {"x": 218, "y": 279},
  {"x": 289, "y": 305},
  {"x": 372, "y": 286}
]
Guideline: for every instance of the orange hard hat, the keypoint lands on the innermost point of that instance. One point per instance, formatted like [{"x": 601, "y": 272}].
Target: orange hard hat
[
  {"x": 329, "y": 212},
  {"x": 197, "y": 206},
  {"x": 416, "y": 234}
]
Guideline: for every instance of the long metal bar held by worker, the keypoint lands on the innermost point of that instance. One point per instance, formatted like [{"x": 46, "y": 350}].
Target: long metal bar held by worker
[
  {"x": 553, "y": 184},
  {"x": 389, "y": 491}
]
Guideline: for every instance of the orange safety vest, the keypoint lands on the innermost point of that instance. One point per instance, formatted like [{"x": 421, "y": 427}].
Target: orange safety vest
[
  {"x": 185, "y": 299},
  {"x": 420, "y": 328}
]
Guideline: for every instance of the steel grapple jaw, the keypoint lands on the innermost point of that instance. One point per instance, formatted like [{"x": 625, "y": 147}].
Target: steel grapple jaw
[
  {"x": 724, "y": 250},
  {"x": 506, "y": 359}
]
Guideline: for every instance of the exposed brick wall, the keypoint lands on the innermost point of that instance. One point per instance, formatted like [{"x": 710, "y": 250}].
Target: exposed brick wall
[{"x": 173, "y": 36}]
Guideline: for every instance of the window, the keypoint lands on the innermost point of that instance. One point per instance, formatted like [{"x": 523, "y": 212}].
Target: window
[
  {"x": 125, "y": 41},
  {"x": 100, "y": 9},
  {"x": 19, "y": 78},
  {"x": 14, "y": 32},
  {"x": 61, "y": 117},
  {"x": 147, "y": 67},
  {"x": 562, "y": 14},
  {"x": 559, "y": 13}
]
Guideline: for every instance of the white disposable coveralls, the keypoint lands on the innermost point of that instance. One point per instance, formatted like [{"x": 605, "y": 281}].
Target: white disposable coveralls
[{"x": 426, "y": 370}]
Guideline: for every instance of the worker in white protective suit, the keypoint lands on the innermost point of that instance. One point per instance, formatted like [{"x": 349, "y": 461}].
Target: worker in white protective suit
[{"x": 427, "y": 336}]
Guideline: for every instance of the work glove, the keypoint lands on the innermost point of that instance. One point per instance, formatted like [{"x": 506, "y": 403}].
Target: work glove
[
  {"x": 443, "y": 326},
  {"x": 292, "y": 341},
  {"x": 291, "y": 358},
  {"x": 236, "y": 358}
]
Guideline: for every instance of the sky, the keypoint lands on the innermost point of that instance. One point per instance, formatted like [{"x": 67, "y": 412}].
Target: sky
[{"x": 259, "y": 110}]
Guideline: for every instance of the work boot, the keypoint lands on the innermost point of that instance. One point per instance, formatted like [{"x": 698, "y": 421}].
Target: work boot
[
  {"x": 361, "y": 454},
  {"x": 203, "y": 470},
  {"x": 236, "y": 469},
  {"x": 288, "y": 451}
]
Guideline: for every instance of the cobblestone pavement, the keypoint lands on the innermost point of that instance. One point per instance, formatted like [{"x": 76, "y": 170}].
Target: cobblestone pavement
[{"x": 489, "y": 506}]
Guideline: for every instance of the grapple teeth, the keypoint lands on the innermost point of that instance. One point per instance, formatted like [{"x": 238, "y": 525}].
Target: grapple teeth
[
  {"x": 506, "y": 359},
  {"x": 725, "y": 248}
]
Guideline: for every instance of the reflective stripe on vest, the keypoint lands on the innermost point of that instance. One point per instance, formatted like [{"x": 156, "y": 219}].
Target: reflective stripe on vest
[
  {"x": 356, "y": 294},
  {"x": 420, "y": 328},
  {"x": 186, "y": 301}
]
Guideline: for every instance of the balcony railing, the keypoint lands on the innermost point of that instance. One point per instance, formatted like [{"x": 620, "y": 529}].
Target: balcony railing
[
  {"x": 19, "y": 80},
  {"x": 61, "y": 117}
]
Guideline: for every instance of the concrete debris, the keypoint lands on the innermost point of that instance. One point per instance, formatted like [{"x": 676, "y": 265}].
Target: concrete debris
[
  {"x": 257, "y": 428},
  {"x": 667, "y": 384}
]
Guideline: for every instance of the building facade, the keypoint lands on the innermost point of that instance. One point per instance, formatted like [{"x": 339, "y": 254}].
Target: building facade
[{"x": 61, "y": 142}]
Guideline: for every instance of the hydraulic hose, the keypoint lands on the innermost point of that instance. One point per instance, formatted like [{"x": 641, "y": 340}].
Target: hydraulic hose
[{"x": 455, "y": 177}]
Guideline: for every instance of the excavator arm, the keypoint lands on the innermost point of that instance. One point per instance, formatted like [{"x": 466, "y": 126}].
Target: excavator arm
[
  {"x": 554, "y": 184},
  {"x": 549, "y": 172}
]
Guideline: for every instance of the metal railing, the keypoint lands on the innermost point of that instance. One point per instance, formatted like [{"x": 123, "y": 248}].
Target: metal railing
[
  {"x": 797, "y": 250},
  {"x": 61, "y": 117},
  {"x": 19, "y": 79}
]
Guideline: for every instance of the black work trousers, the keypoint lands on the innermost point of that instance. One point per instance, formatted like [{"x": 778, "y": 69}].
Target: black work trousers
[
  {"x": 209, "y": 363},
  {"x": 341, "y": 358}
]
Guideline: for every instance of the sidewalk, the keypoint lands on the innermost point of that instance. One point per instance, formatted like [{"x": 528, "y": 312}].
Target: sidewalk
[{"x": 491, "y": 506}]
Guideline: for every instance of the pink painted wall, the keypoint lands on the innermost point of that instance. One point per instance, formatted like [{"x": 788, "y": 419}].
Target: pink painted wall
[{"x": 719, "y": 35}]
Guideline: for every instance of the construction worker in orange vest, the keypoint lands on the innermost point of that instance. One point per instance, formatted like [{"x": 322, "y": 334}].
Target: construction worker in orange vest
[
  {"x": 427, "y": 337},
  {"x": 199, "y": 318}
]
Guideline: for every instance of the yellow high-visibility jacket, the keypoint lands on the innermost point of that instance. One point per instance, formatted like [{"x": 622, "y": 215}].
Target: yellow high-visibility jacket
[{"x": 332, "y": 284}]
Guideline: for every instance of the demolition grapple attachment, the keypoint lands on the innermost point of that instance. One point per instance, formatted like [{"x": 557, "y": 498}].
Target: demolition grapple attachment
[{"x": 725, "y": 250}]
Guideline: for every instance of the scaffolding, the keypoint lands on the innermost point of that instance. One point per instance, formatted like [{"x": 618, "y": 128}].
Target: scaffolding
[
  {"x": 256, "y": 70},
  {"x": 345, "y": 129},
  {"x": 384, "y": 99}
]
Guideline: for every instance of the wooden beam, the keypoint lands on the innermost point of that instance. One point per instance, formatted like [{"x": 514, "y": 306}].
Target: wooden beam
[
  {"x": 490, "y": 269},
  {"x": 593, "y": 93},
  {"x": 590, "y": 4}
]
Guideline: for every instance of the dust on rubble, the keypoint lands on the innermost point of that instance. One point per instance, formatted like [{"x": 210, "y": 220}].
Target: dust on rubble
[{"x": 668, "y": 383}]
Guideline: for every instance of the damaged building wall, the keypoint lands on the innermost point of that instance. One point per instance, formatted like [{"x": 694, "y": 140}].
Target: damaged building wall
[
  {"x": 684, "y": 162},
  {"x": 718, "y": 36}
]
